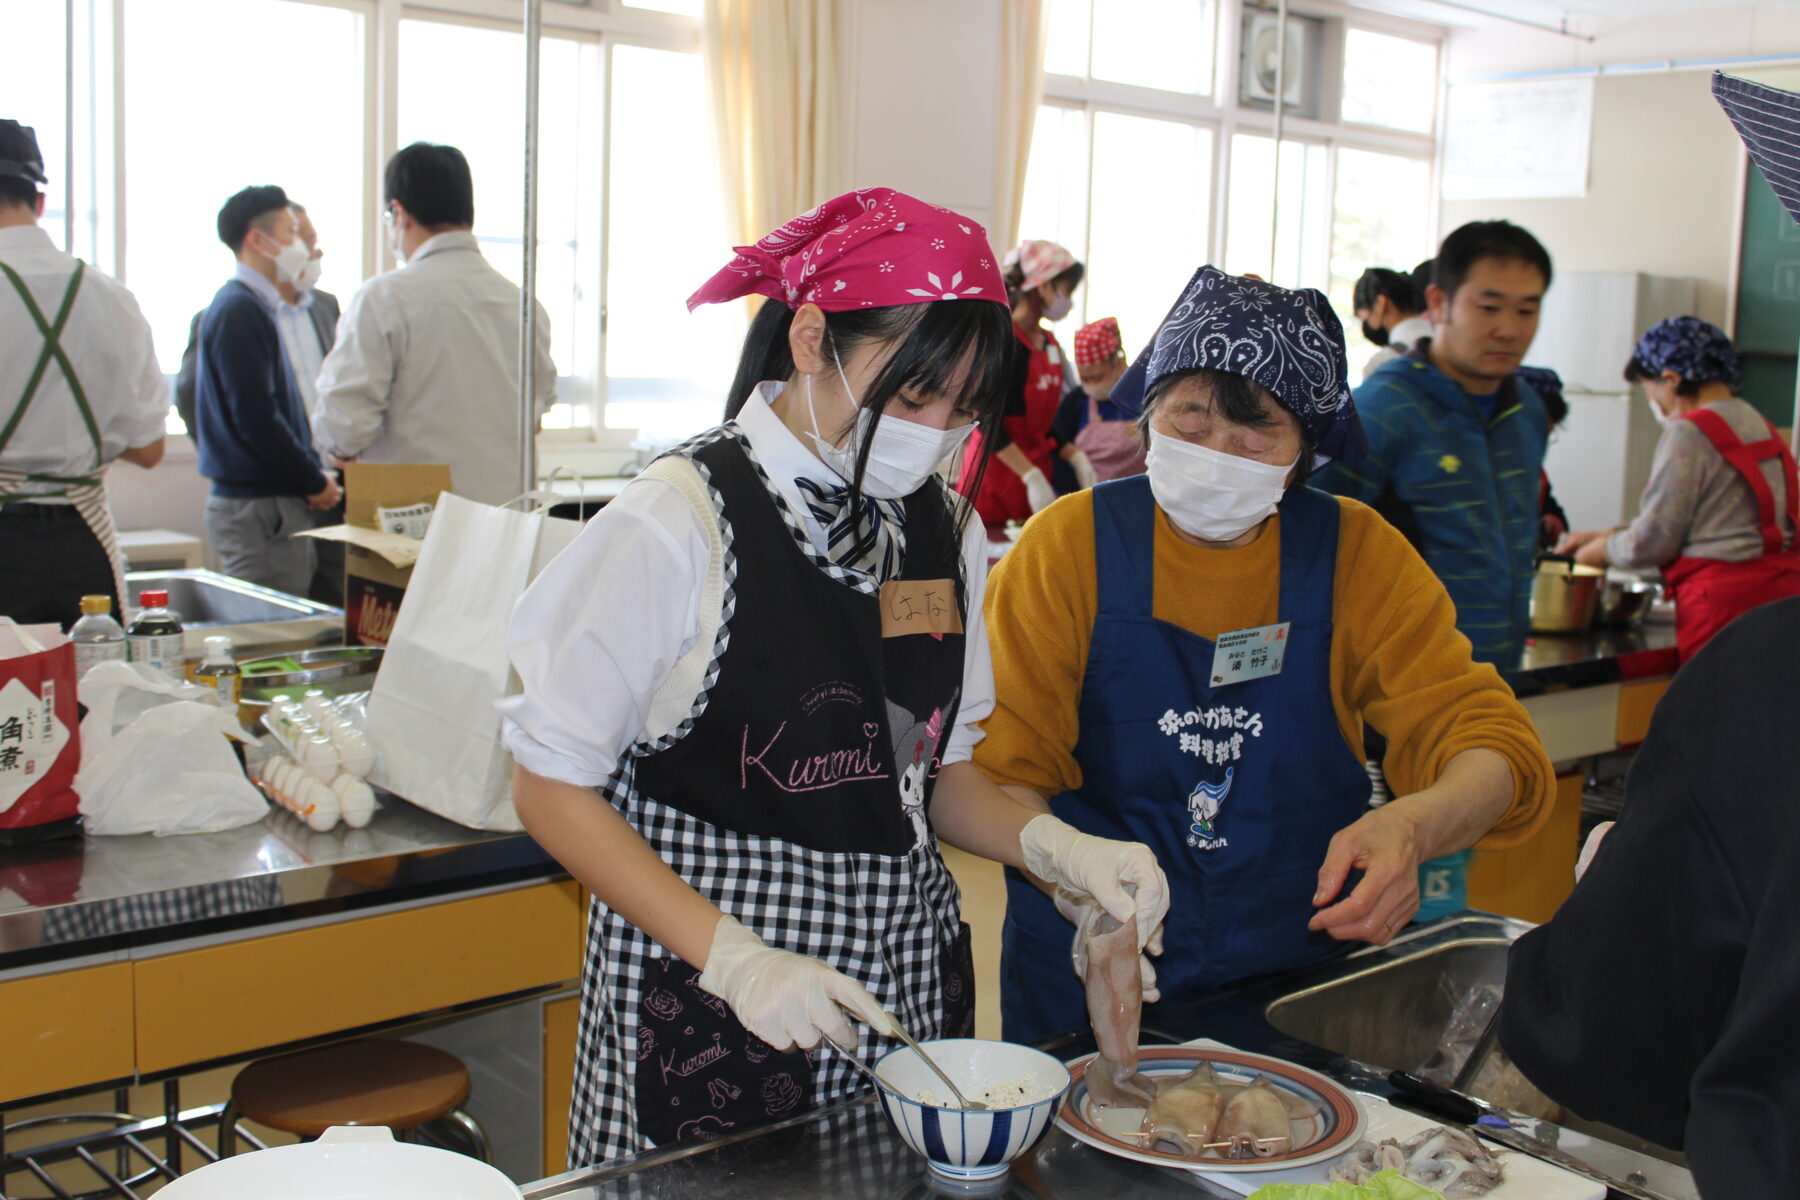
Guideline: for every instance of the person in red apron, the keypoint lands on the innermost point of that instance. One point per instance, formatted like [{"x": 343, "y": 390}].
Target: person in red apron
[
  {"x": 1188, "y": 658},
  {"x": 750, "y": 692},
  {"x": 1040, "y": 277},
  {"x": 1091, "y": 422},
  {"x": 1719, "y": 512},
  {"x": 79, "y": 387}
]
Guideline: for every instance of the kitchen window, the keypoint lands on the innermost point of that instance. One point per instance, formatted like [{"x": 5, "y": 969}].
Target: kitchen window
[
  {"x": 188, "y": 146},
  {"x": 215, "y": 95},
  {"x": 1142, "y": 206}
]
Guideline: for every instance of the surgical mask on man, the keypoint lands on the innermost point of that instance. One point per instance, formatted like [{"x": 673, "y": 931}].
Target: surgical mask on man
[
  {"x": 309, "y": 274},
  {"x": 902, "y": 453},
  {"x": 290, "y": 260},
  {"x": 1059, "y": 307},
  {"x": 1209, "y": 494},
  {"x": 1375, "y": 333}
]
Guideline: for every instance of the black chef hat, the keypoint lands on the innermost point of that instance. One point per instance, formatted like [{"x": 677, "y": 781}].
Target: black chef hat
[{"x": 20, "y": 157}]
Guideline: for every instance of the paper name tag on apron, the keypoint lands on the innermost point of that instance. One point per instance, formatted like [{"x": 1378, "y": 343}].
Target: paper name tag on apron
[
  {"x": 1249, "y": 654},
  {"x": 411, "y": 521},
  {"x": 919, "y": 606}
]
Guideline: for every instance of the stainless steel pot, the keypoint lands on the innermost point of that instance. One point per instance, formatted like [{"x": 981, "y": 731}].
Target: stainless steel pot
[
  {"x": 1624, "y": 603},
  {"x": 1564, "y": 595}
]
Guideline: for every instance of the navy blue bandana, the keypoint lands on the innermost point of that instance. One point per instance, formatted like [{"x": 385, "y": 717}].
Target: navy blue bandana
[
  {"x": 1290, "y": 342},
  {"x": 1768, "y": 120},
  {"x": 1541, "y": 380},
  {"x": 1696, "y": 350}
]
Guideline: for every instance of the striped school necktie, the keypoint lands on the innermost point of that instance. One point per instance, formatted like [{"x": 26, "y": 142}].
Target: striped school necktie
[{"x": 830, "y": 506}]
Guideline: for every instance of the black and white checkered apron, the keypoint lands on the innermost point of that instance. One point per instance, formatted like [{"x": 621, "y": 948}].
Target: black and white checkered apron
[{"x": 844, "y": 871}]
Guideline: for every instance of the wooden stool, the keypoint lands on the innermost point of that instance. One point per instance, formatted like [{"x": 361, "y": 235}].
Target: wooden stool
[{"x": 365, "y": 1082}]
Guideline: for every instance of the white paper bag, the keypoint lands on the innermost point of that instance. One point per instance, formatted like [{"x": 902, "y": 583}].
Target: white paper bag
[{"x": 431, "y": 717}]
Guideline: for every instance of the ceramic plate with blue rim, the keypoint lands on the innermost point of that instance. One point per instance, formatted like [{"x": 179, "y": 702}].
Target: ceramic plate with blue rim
[{"x": 1331, "y": 1130}]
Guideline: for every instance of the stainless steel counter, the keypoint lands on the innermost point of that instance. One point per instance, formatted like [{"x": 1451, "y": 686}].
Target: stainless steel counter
[
  {"x": 97, "y": 895},
  {"x": 849, "y": 1151}
]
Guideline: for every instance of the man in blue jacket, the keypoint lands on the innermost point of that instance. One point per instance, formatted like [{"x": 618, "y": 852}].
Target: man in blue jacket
[
  {"x": 1456, "y": 440},
  {"x": 251, "y": 425}
]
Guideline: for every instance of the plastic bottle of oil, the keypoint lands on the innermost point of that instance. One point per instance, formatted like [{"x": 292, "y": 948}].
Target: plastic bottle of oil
[
  {"x": 219, "y": 671},
  {"x": 96, "y": 635}
]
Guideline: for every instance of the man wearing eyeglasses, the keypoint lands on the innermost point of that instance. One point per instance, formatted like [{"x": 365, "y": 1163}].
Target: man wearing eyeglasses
[{"x": 426, "y": 365}]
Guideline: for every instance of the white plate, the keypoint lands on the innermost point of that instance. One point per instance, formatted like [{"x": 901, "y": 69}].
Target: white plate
[{"x": 1324, "y": 1136}]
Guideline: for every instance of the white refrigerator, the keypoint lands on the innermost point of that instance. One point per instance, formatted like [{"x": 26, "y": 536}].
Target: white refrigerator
[{"x": 1600, "y": 458}]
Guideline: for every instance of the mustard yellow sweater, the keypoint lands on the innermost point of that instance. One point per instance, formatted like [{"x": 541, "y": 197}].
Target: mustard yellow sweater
[{"x": 1397, "y": 660}]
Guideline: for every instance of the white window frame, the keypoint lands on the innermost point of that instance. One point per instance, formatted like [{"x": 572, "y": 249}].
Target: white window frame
[
  {"x": 604, "y": 23},
  {"x": 1221, "y": 113}
]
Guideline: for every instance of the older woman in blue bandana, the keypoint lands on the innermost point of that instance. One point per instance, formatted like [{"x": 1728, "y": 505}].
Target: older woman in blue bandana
[
  {"x": 1190, "y": 657},
  {"x": 1719, "y": 512}
]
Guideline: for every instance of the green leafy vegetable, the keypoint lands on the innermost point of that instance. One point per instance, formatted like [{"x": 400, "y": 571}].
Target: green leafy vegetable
[{"x": 1387, "y": 1185}]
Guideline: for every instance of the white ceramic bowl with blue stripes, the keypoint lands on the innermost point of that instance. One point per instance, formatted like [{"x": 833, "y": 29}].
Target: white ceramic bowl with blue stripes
[{"x": 971, "y": 1143}]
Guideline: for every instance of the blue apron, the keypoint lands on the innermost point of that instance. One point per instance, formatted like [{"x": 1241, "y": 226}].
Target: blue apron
[{"x": 1237, "y": 788}]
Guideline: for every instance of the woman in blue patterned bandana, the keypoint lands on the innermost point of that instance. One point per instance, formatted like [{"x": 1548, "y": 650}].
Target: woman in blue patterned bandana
[
  {"x": 1719, "y": 515},
  {"x": 1189, "y": 659}
]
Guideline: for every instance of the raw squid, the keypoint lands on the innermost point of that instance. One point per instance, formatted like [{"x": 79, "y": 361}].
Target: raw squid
[
  {"x": 1184, "y": 1117},
  {"x": 1255, "y": 1120},
  {"x": 1106, "y": 957},
  {"x": 1452, "y": 1161}
]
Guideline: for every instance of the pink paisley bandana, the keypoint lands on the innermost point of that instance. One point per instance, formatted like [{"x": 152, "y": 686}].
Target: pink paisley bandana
[
  {"x": 867, "y": 249},
  {"x": 1040, "y": 261}
]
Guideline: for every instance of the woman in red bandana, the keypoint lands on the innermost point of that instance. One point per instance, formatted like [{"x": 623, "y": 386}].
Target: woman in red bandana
[
  {"x": 750, "y": 690},
  {"x": 1088, "y": 420},
  {"x": 1040, "y": 277}
]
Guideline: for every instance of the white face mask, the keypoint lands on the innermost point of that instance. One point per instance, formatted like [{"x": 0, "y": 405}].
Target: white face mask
[
  {"x": 1209, "y": 494},
  {"x": 309, "y": 274},
  {"x": 902, "y": 455},
  {"x": 1662, "y": 418},
  {"x": 290, "y": 260}
]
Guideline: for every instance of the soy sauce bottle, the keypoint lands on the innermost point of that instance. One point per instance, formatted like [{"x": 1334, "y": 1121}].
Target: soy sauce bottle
[{"x": 155, "y": 636}]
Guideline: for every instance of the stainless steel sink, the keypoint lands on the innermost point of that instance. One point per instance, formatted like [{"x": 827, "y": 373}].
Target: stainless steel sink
[
  {"x": 1395, "y": 1014},
  {"x": 1397, "y": 1008},
  {"x": 209, "y": 598},
  {"x": 259, "y": 620}
]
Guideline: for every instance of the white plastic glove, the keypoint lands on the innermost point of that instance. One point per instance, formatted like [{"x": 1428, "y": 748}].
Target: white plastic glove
[
  {"x": 1085, "y": 475},
  {"x": 786, "y": 999},
  {"x": 1038, "y": 492},
  {"x": 1076, "y": 910},
  {"x": 1591, "y": 847},
  {"x": 1060, "y": 854}
]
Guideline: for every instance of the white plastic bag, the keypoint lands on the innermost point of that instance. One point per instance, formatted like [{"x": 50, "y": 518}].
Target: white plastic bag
[
  {"x": 158, "y": 760},
  {"x": 431, "y": 716}
]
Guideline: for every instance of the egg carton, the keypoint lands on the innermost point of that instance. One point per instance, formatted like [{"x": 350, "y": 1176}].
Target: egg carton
[
  {"x": 298, "y": 729},
  {"x": 320, "y": 804},
  {"x": 319, "y": 776}
]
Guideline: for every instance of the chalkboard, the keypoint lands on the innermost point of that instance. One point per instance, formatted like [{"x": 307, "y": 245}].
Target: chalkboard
[{"x": 1768, "y": 302}]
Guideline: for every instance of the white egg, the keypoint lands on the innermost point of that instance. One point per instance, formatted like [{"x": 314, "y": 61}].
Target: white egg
[
  {"x": 357, "y": 755},
  {"x": 358, "y": 800},
  {"x": 323, "y": 803}
]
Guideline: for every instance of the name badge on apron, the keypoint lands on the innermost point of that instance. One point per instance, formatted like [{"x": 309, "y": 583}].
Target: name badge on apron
[
  {"x": 927, "y": 606},
  {"x": 1249, "y": 654}
]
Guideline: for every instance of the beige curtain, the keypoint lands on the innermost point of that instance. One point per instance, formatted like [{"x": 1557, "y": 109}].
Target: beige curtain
[
  {"x": 1024, "y": 29},
  {"x": 772, "y": 79}
]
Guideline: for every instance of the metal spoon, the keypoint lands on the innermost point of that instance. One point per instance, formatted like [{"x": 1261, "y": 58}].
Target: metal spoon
[
  {"x": 854, "y": 1060},
  {"x": 961, "y": 1100}
]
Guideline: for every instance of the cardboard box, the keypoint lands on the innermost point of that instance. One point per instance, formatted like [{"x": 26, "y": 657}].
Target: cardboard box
[{"x": 378, "y": 564}]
